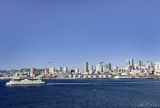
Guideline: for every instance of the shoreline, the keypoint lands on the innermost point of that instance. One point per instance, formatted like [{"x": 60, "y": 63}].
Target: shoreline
[{"x": 150, "y": 78}]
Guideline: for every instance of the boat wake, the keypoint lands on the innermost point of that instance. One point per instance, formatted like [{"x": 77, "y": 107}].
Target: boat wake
[
  {"x": 69, "y": 83},
  {"x": 95, "y": 83}
]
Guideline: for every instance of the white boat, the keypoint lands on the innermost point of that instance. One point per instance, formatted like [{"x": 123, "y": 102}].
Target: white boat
[{"x": 24, "y": 82}]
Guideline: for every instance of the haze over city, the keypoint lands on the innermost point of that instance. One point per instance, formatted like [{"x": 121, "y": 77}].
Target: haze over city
[{"x": 72, "y": 32}]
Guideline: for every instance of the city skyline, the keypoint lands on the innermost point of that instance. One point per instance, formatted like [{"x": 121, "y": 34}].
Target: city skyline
[
  {"x": 72, "y": 32},
  {"x": 87, "y": 66},
  {"x": 101, "y": 70}
]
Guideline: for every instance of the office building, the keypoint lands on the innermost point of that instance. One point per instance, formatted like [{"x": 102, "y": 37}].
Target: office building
[
  {"x": 90, "y": 68},
  {"x": 51, "y": 70},
  {"x": 99, "y": 68},
  {"x": 65, "y": 69},
  {"x": 32, "y": 72},
  {"x": 60, "y": 69},
  {"x": 132, "y": 64},
  {"x": 86, "y": 66},
  {"x": 157, "y": 67}
]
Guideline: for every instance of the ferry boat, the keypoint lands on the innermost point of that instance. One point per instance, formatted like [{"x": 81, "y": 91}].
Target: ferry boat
[{"x": 15, "y": 82}]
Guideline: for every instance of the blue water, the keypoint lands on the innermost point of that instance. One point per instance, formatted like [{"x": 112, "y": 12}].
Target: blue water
[{"x": 128, "y": 93}]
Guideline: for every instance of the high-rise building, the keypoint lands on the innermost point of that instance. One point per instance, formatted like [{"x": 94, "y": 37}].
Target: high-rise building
[
  {"x": 32, "y": 72},
  {"x": 60, "y": 69},
  {"x": 148, "y": 65},
  {"x": 76, "y": 70},
  {"x": 51, "y": 70},
  {"x": 65, "y": 69},
  {"x": 132, "y": 64},
  {"x": 157, "y": 66},
  {"x": 128, "y": 64},
  {"x": 46, "y": 71},
  {"x": 90, "y": 68},
  {"x": 139, "y": 64},
  {"x": 107, "y": 67},
  {"x": 137, "y": 67},
  {"x": 110, "y": 66},
  {"x": 99, "y": 67},
  {"x": 86, "y": 66}
]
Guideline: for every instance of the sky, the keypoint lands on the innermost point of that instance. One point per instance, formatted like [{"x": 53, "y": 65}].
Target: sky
[{"x": 70, "y": 32}]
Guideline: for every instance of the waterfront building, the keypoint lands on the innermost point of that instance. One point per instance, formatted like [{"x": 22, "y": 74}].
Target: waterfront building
[
  {"x": 96, "y": 72},
  {"x": 89, "y": 76},
  {"x": 90, "y": 72},
  {"x": 74, "y": 76},
  {"x": 85, "y": 76},
  {"x": 69, "y": 76},
  {"x": 94, "y": 76},
  {"x": 100, "y": 76},
  {"x": 79, "y": 76},
  {"x": 104, "y": 76},
  {"x": 109, "y": 76}
]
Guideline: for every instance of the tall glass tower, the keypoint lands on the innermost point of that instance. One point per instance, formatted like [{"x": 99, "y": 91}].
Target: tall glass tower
[{"x": 86, "y": 67}]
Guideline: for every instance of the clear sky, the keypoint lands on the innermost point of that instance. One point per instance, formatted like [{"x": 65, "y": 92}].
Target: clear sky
[{"x": 69, "y": 32}]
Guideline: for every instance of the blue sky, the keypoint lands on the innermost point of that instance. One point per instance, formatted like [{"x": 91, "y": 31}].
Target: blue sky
[{"x": 69, "y": 32}]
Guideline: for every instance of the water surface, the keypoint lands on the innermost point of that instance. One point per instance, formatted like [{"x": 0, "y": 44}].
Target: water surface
[{"x": 126, "y": 93}]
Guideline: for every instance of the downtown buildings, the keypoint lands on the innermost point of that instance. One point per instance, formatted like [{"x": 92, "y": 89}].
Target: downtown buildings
[{"x": 132, "y": 69}]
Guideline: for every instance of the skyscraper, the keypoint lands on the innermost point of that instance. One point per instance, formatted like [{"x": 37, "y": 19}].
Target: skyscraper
[
  {"x": 99, "y": 67},
  {"x": 110, "y": 66},
  {"x": 105, "y": 68},
  {"x": 32, "y": 72},
  {"x": 90, "y": 68},
  {"x": 139, "y": 64},
  {"x": 157, "y": 66},
  {"x": 132, "y": 64},
  {"x": 51, "y": 70},
  {"x": 86, "y": 66},
  {"x": 60, "y": 69},
  {"x": 65, "y": 69},
  {"x": 76, "y": 70},
  {"x": 128, "y": 65}
]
